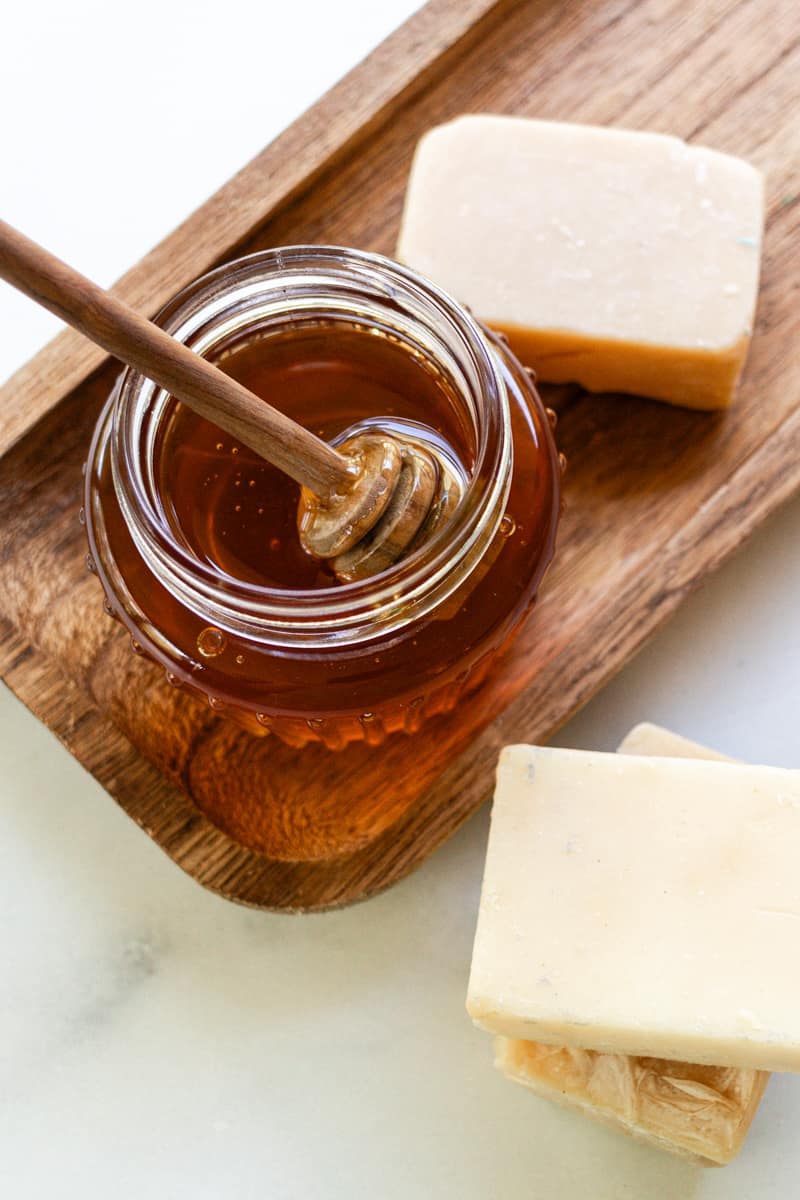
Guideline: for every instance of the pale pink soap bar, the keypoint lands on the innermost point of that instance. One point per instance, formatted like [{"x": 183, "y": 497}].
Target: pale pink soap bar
[{"x": 619, "y": 260}]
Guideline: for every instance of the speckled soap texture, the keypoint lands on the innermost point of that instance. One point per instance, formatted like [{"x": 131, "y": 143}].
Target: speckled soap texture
[{"x": 620, "y": 260}]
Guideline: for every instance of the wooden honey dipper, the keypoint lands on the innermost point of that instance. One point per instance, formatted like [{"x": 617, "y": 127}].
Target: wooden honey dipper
[{"x": 363, "y": 505}]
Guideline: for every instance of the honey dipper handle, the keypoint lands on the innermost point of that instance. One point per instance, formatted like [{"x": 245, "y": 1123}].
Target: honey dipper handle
[{"x": 130, "y": 337}]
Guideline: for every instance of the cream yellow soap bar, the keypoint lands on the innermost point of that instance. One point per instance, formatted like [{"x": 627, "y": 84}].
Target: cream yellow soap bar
[
  {"x": 699, "y": 1112},
  {"x": 645, "y": 906},
  {"x": 623, "y": 261},
  {"x": 656, "y": 742}
]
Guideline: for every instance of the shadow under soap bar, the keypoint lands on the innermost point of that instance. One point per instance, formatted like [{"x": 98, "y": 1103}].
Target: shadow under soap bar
[{"x": 622, "y": 261}]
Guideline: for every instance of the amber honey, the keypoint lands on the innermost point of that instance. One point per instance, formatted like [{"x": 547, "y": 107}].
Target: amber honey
[
  {"x": 239, "y": 513},
  {"x": 261, "y": 628}
]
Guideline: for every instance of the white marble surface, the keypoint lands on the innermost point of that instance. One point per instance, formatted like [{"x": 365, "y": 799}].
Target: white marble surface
[{"x": 158, "y": 1042}]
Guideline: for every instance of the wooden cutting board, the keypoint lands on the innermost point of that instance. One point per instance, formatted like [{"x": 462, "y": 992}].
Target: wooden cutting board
[{"x": 656, "y": 497}]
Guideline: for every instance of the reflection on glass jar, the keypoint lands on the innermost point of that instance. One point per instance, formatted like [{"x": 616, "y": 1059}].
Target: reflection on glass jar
[{"x": 195, "y": 540}]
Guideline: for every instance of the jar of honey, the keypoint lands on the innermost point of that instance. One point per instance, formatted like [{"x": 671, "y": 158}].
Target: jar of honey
[{"x": 195, "y": 538}]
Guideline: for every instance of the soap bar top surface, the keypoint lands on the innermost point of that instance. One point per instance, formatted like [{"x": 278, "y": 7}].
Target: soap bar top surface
[
  {"x": 646, "y": 906},
  {"x": 607, "y": 232}
]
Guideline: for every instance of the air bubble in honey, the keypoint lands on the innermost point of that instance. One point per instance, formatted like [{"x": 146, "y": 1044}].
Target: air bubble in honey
[
  {"x": 373, "y": 727},
  {"x": 508, "y": 526},
  {"x": 211, "y": 642}
]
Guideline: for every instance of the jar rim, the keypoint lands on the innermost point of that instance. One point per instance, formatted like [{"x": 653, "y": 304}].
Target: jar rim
[{"x": 284, "y": 279}]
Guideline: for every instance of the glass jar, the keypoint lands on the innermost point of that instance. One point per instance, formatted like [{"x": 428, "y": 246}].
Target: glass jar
[{"x": 347, "y": 662}]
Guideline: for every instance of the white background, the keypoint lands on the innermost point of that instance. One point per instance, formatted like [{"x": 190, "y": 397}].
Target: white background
[{"x": 154, "y": 1040}]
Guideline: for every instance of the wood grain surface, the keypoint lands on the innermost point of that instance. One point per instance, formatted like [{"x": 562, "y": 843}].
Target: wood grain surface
[
  {"x": 123, "y": 332},
  {"x": 656, "y": 497}
]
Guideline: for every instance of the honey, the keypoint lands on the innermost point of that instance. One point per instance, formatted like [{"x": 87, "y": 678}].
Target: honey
[
  {"x": 195, "y": 538},
  {"x": 238, "y": 512}
]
